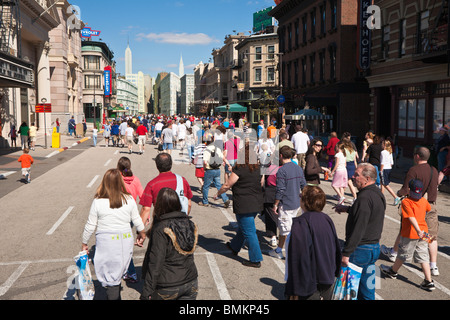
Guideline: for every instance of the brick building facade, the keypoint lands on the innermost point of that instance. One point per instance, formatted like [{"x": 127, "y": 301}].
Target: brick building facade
[
  {"x": 318, "y": 39},
  {"x": 409, "y": 77}
]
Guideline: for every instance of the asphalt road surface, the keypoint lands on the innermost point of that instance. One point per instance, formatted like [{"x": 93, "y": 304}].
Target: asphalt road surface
[{"x": 42, "y": 223}]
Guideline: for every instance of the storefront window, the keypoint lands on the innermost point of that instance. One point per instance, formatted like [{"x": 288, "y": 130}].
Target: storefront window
[
  {"x": 441, "y": 114},
  {"x": 411, "y": 118}
]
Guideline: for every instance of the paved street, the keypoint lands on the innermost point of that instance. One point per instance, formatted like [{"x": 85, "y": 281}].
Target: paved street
[{"x": 42, "y": 223}]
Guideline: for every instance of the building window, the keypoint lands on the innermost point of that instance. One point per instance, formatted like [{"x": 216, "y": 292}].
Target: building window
[
  {"x": 333, "y": 8},
  {"x": 402, "y": 40},
  {"x": 92, "y": 82},
  {"x": 271, "y": 51},
  {"x": 422, "y": 31},
  {"x": 313, "y": 24},
  {"x": 313, "y": 67},
  {"x": 332, "y": 62},
  {"x": 92, "y": 63},
  {"x": 258, "y": 55},
  {"x": 296, "y": 73},
  {"x": 258, "y": 75},
  {"x": 304, "y": 29},
  {"x": 323, "y": 18},
  {"x": 411, "y": 118},
  {"x": 304, "y": 71},
  {"x": 271, "y": 74},
  {"x": 322, "y": 66},
  {"x": 289, "y": 37},
  {"x": 297, "y": 32}
]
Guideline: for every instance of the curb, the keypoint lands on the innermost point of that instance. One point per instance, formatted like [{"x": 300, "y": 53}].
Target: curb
[{"x": 78, "y": 142}]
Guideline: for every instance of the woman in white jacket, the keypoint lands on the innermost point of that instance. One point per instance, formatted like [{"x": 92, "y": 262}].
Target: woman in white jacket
[{"x": 111, "y": 213}]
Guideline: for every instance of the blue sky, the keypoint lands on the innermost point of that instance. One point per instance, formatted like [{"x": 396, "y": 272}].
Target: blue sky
[{"x": 161, "y": 31}]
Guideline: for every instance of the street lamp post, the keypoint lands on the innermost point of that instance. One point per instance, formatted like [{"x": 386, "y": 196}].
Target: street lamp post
[{"x": 280, "y": 78}]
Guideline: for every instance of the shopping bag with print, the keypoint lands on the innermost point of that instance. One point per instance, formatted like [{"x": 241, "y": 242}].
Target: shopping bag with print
[
  {"x": 347, "y": 284},
  {"x": 83, "y": 278}
]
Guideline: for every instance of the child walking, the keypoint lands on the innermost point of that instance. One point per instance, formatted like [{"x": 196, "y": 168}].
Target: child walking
[
  {"x": 414, "y": 235},
  {"x": 26, "y": 161},
  {"x": 387, "y": 162},
  {"x": 339, "y": 172}
]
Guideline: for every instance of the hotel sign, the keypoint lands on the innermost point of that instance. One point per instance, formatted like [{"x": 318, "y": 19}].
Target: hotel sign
[
  {"x": 87, "y": 32},
  {"x": 364, "y": 35}
]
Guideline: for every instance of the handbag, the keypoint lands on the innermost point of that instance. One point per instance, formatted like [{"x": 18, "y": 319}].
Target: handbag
[{"x": 136, "y": 140}]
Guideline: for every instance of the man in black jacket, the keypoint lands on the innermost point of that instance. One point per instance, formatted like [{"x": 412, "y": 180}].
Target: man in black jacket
[{"x": 363, "y": 228}]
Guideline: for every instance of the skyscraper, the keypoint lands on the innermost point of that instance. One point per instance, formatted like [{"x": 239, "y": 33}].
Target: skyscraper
[
  {"x": 128, "y": 60},
  {"x": 181, "y": 68}
]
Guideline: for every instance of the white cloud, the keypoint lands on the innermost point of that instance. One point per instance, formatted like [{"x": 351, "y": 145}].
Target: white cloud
[
  {"x": 178, "y": 38},
  {"x": 172, "y": 65}
]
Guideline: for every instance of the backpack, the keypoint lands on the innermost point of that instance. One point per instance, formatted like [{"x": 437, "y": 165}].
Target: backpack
[
  {"x": 180, "y": 191},
  {"x": 214, "y": 165}
]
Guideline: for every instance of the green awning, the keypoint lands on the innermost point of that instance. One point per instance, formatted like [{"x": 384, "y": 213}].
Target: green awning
[{"x": 235, "y": 107}]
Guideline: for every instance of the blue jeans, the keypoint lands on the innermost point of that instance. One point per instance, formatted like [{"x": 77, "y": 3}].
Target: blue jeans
[
  {"x": 94, "y": 138},
  {"x": 365, "y": 256},
  {"x": 247, "y": 234},
  {"x": 212, "y": 177}
]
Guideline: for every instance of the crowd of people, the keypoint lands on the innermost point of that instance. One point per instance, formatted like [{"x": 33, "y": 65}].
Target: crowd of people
[{"x": 275, "y": 173}]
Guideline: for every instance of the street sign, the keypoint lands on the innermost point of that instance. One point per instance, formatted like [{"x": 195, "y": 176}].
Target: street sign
[
  {"x": 281, "y": 99},
  {"x": 45, "y": 107},
  {"x": 87, "y": 32}
]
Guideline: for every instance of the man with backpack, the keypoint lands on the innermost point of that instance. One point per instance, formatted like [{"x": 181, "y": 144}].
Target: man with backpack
[
  {"x": 168, "y": 179},
  {"x": 212, "y": 161}
]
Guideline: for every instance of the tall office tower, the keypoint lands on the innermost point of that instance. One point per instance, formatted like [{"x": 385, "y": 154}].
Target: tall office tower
[{"x": 128, "y": 60}]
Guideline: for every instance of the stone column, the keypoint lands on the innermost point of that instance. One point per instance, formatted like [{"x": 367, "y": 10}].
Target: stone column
[{"x": 43, "y": 87}]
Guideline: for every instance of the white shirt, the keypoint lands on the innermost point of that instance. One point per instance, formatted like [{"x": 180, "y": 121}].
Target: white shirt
[
  {"x": 159, "y": 126},
  {"x": 129, "y": 132},
  {"x": 123, "y": 127},
  {"x": 342, "y": 161},
  {"x": 386, "y": 159},
  {"x": 300, "y": 141},
  {"x": 181, "y": 131},
  {"x": 102, "y": 217}
]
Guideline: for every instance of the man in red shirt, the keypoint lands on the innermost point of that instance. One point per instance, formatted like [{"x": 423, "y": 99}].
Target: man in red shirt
[
  {"x": 165, "y": 179},
  {"x": 142, "y": 132}
]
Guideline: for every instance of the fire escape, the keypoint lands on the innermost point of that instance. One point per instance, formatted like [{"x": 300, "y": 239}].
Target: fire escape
[
  {"x": 432, "y": 45},
  {"x": 10, "y": 28}
]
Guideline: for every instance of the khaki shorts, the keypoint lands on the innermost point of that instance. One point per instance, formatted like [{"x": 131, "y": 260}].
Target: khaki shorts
[
  {"x": 413, "y": 248},
  {"x": 141, "y": 140},
  {"x": 285, "y": 220},
  {"x": 26, "y": 171},
  {"x": 432, "y": 221}
]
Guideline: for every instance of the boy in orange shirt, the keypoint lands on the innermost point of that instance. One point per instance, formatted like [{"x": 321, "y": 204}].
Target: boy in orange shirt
[
  {"x": 26, "y": 160},
  {"x": 414, "y": 235}
]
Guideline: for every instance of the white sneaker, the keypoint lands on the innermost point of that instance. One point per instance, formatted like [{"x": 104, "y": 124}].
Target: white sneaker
[
  {"x": 275, "y": 254},
  {"x": 341, "y": 201},
  {"x": 273, "y": 242},
  {"x": 388, "y": 253},
  {"x": 435, "y": 271}
]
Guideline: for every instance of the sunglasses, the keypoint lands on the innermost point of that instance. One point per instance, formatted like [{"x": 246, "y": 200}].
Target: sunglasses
[{"x": 318, "y": 145}]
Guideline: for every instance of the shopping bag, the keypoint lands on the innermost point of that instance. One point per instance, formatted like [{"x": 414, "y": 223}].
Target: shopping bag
[
  {"x": 83, "y": 277},
  {"x": 347, "y": 284}
]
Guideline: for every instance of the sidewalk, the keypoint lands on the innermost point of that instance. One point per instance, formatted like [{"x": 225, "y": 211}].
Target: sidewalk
[{"x": 9, "y": 156}]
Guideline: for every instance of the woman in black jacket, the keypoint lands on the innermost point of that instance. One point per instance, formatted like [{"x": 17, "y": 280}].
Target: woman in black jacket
[{"x": 169, "y": 271}]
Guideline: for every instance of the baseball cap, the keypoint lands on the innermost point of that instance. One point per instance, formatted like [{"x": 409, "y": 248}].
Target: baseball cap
[{"x": 415, "y": 189}]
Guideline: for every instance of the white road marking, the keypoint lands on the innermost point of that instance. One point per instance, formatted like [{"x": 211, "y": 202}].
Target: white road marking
[
  {"x": 52, "y": 154},
  {"x": 439, "y": 286},
  {"x": 4, "y": 175},
  {"x": 60, "y": 220},
  {"x": 215, "y": 271},
  {"x": 107, "y": 162},
  {"x": 92, "y": 182},
  {"x": 8, "y": 283}
]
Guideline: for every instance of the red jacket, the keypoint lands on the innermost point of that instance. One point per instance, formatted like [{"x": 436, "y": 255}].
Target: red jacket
[
  {"x": 331, "y": 146},
  {"x": 133, "y": 186}
]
